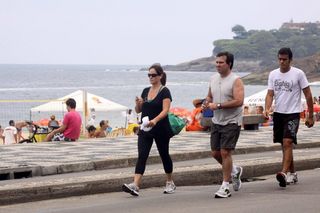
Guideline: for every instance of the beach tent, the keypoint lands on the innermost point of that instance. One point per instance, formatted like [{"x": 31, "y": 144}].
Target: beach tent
[
  {"x": 92, "y": 101},
  {"x": 258, "y": 99},
  {"x": 84, "y": 100}
]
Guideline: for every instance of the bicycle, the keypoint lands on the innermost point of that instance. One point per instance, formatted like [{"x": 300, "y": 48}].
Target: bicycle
[{"x": 35, "y": 129}]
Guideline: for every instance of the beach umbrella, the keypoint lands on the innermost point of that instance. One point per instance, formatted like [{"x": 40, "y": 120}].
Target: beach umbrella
[
  {"x": 180, "y": 111},
  {"x": 316, "y": 108},
  {"x": 96, "y": 102}
]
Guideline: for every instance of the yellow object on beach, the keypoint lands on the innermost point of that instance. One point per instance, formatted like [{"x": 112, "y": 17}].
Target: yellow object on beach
[
  {"x": 131, "y": 127},
  {"x": 40, "y": 137}
]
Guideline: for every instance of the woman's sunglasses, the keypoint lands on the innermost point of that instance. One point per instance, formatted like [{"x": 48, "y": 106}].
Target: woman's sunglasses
[{"x": 152, "y": 75}]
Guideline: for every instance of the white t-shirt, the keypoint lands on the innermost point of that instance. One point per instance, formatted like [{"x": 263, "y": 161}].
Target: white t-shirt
[
  {"x": 8, "y": 134},
  {"x": 287, "y": 89}
]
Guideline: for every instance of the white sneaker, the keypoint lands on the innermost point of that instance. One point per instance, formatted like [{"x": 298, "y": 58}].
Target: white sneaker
[
  {"x": 223, "y": 192},
  {"x": 236, "y": 179},
  {"x": 131, "y": 188},
  {"x": 170, "y": 188},
  {"x": 292, "y": 178}
]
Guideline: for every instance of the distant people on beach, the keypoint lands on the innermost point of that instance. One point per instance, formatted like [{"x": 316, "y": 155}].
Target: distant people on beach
[
  {"x": 53, "y": 123},
  {"x": 259, "y": 110},
  {"x": 71, "y": 125},
  {"x": 132, "y": 121},
  {"x": 132, "y": 118},
  {"x": 19, "y": 125},
  {"x": 103, "y": 130},
  {"x": 91, "y": 131},
  {"x": 225, "y": 97},
  {"x": 201, "y": 119},
  {"x": 154, "y": 104},
  {"x": 285, "y": 85},
  {"x": 315, "y": 100},
  {"x": 10, "y": 133},
  {"x": 92, "y": 119},
  {"x": 245, "y": 110},
  {"x": 1, "y": 134}
]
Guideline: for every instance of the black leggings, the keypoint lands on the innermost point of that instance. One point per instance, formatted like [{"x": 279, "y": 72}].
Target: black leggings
[{"x": 144, "y": 147}]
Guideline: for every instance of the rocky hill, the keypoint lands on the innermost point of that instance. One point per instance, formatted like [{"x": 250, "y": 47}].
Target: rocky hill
[
  {"x": 207, "y": 64},
  {"x": 259, "y": 74},
  {"x": 310, "y": 65}
]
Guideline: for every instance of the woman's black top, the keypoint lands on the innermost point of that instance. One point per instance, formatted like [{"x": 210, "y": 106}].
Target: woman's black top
[{"x": 152, "y": 108}]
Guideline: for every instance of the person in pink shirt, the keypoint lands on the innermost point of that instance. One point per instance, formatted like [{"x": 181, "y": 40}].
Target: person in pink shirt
[{"x": 71, "y": 125}]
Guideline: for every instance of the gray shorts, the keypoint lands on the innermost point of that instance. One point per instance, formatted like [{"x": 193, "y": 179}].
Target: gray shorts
[{"x": 224, "y": 137}]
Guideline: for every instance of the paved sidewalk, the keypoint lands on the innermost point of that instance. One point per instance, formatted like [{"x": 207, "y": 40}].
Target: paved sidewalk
[
  {"x": 63, "y": 157},
  {"x": 84, "y": 158}
]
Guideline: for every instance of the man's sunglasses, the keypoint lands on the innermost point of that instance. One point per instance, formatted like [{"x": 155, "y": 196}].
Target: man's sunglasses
[{"x": 152, "y": 75}]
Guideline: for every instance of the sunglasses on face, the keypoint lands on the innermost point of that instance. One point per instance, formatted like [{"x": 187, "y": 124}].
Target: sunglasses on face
[{"x": 152, "y": 75}]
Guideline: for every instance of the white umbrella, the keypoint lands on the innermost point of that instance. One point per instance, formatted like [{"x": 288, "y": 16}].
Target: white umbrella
[
  {"x": 259, "y": 98},
  {"x": 93, "y": 102}
]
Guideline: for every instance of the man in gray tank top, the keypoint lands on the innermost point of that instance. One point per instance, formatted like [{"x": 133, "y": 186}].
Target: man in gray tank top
[{"x": 225, "y": 97}]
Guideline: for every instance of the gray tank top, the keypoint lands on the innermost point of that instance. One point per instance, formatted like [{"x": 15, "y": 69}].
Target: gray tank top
[{"x": 221, "y": 90}]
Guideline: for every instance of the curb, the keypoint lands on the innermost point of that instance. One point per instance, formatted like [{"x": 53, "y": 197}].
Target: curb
[
  {"x": 27, "y": 172},
  {"x": 193, "y": 175}
]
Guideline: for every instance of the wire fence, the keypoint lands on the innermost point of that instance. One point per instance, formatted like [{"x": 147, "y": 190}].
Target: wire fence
[{"x": 18, "y": 110}]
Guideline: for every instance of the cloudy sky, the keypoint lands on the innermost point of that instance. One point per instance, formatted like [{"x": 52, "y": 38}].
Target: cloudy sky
[{"x": 132, "y": 31}]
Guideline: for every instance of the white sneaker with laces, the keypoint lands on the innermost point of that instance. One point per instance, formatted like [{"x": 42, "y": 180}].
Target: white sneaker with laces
[
  {"x": 170, "y": 188},
  {"x": 223, "y": 192},
  {"x": 292, "y": 178},
  {"x": 236, "y": 179},
  {"x": 131, "y": 188}
]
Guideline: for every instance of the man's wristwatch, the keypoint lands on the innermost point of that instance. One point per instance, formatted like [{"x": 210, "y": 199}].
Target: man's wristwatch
[{"x": 219, "y": 106}]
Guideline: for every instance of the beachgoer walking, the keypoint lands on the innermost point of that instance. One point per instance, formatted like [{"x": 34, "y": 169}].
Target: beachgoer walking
[
  {"x": 19, "y": 125},
  {"x": 10, "y": 133},
  {"x": 154, "y": 104},
  {"x": 284, "y": 87},
  {"x": 71, "y": 125},
  {"x": 225, "y": 97}
]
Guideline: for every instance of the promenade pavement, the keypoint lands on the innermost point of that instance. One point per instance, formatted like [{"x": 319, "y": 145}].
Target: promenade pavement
[
  {"x": 49, "y": 158},
  {"x": 115, "y": 158}
]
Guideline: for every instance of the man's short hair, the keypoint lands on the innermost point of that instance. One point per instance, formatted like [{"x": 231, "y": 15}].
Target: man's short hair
[
  {"x": 11, "y": 122},
  {"x": 103, "y": 122},
  {"x": 229, "y": 56},
  {"x": 286, "y": 51},
  {"x": 71, "y": 103}
]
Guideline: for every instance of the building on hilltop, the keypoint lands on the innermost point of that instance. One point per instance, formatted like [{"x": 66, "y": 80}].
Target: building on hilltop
[{"x": 299, "y": 26}]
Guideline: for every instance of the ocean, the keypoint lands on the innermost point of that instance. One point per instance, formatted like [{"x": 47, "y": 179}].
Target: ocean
[{"x": 118, "y": 83}]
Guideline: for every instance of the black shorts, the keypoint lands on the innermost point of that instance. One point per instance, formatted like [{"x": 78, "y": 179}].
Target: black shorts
[
  {"x": 285, "y": 126},
  {"x": 224, "y": 137}
]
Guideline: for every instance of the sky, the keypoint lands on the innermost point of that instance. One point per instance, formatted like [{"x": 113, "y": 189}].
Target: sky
[{"x": 137, "y": 32}]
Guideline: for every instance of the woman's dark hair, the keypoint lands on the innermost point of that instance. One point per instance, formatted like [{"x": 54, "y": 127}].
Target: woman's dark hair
[
  {"x": 71, "y": 103},
  {"x": 285, "y": 51},
  {"x": 160, "y": 71},
  {"x": 229, "y": 57}
]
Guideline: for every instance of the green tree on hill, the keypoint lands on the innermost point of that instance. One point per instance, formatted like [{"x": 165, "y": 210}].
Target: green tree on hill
[{"x": 262, "y": 45}]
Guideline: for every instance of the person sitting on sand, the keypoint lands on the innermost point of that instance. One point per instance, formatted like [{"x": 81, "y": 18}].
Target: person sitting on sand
[
  {"x": 53, "y": 123},
  {"x": 91, "y": 131},
  {"x": 102, "y": 131}
]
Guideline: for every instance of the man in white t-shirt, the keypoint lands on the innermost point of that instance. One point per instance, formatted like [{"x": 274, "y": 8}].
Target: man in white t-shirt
[
  {"x": 10, "y": 133},
  {"x": 284, "y": 86}
]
